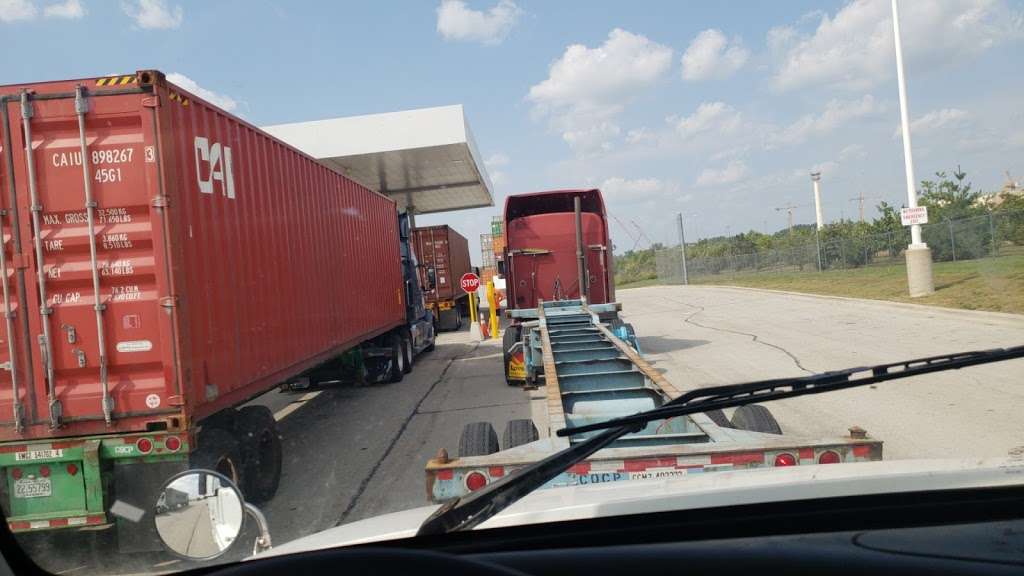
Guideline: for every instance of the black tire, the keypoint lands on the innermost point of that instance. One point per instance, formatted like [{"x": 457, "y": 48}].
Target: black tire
[
  {"x": 478, "y": 439},
  {"x": 219, "y": 450},
  {"x": 407, "y": 352},
  {"x": 261, "y": 445},
  {"x": 397, "y": 371},
  {"x": 755, "y": 418},
  {"x": 518, "y": 432},
  {"x": 719, "y": 418}
]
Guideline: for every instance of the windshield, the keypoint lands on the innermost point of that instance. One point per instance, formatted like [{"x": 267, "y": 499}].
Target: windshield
[{"x": 272, "y": 269}]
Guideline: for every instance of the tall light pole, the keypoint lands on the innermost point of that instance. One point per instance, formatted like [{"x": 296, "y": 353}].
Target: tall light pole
[
  {"x": 919, "y": 256},
  {"x": 816, "y": 180}
]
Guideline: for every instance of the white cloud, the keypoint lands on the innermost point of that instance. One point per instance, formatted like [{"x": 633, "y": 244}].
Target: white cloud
[
  {"x": 15, "y": 10},
  {"x": 225, "y": 102},
  {"x": 456, "y": 21},
  {"x": 494, "y": 164},
  {"x": 836, "y": 113},
  {"x": 153, "y": 14},
  {"x": 934, "y": 121},
  {"x": 712, "y": 55},
  {"x": 854, "y": 48},
  {"x": 626, "y": 190},
  {"x": 70, "y": 9},
  {"x": 853, "y": 152},
  {"x": 732, "y": 172},
  {"x": 714, "y": 117},
  {"x": 587, "y": 87}
]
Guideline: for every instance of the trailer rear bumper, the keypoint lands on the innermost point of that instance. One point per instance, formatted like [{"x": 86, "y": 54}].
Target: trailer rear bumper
[
  {"x": 64, "y": 483},
  {"x": 448, "y": 479}
]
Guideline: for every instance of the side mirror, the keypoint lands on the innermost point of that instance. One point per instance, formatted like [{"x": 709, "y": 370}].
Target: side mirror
[{"x": 199, "y": 515}]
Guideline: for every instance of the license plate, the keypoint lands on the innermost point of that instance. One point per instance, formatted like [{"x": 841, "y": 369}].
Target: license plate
[
  {"x": 39, "y": 454},
  {"x": 32, "y": 488}
]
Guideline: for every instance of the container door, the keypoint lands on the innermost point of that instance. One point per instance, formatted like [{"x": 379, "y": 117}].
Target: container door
[{"x": 84, "y": 194}]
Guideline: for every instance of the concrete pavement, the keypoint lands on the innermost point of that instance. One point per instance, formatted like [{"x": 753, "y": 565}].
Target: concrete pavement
[{"x": 704, "y": 335}]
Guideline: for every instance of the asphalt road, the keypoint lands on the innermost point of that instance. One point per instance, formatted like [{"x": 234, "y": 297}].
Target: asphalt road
[
  {"x": 356, "y": 452},
  {"x": 702, "y": 336}
]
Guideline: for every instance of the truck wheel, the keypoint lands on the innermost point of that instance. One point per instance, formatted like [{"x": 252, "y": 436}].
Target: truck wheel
[
  {"x": 518, "y": 432},
  {"x": 478, "y": 439},
  {"x": 262, "y": 446},
  {"x": 407, "y": 352},
  {"x": 218, "y": 450},
  {"x": 755, "y": 418},
  {"x": 397, "y": 360},
  {"x": 719, "y": 418}
]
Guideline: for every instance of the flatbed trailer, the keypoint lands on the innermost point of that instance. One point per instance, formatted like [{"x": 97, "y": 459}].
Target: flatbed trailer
[{"x": 592, "y": 371}]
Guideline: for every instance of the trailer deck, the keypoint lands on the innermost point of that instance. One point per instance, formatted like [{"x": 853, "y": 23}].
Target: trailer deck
[{"x": 592, "y": 371}]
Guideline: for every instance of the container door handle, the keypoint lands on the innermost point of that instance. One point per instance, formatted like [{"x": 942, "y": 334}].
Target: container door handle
[
  {"x": 81, "y": 107},
  {"x": 44, "y": 309}
]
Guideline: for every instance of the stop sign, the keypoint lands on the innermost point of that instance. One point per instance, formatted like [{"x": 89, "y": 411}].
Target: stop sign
[{"x": 469, "y": 282}]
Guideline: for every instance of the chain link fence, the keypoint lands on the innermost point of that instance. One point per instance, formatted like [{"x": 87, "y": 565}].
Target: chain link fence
[{"x": 951, "y": 240}]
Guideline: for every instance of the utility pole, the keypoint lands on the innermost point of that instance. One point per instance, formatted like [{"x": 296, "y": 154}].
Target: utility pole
[
  {"x": 860, "y": 198},
  {"x": 682, "y": 246},
  {"x": 816, "y": 180},
  {"x": 919, "y": 257}
]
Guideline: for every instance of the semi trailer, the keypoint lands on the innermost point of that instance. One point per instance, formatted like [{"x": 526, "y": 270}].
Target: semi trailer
[
  {"x": 444, "y": 258},
  {"x": 163, "y": 263}
]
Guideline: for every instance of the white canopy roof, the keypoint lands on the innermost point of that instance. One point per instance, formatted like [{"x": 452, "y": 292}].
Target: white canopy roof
[{"x": 424, "y": 159}]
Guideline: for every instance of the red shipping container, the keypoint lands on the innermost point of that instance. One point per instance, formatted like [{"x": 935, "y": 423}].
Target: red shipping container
[
  {"x": 227, "y": 261},
  {"x": 447, "y": 252}
]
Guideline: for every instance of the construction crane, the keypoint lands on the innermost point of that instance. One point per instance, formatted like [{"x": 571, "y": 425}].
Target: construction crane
[
  {"x": 641, "y": 232},
  {"x": 860, "y": 198},
  {"x": 632, "y": 236},
  {"x": 789, "y": 212}
]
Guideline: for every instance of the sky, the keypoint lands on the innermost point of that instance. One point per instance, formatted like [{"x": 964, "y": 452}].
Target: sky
[{"x": 716, "y": 110}]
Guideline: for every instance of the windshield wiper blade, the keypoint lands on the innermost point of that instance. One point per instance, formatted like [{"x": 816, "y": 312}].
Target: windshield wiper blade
[
  {"x": 728, "y": 396},
  {"x": 469, "y": 511}
]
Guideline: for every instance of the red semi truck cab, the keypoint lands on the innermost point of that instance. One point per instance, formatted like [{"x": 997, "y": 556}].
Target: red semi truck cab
[
  {"x": 553, "y": 240},
  {"x": 541, "y": 259}
]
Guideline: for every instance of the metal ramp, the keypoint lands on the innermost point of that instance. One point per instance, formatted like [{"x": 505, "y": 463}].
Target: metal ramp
[{"x": 592, "y": 375}]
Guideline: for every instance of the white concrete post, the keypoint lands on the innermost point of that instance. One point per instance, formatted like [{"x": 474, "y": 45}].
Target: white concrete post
[{"x": 919, "y": 256}]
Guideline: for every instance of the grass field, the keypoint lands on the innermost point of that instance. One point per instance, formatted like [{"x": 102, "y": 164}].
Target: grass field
[{"x": 986, "y": 284}]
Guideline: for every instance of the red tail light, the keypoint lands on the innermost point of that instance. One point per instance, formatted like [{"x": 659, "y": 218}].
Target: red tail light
[
  {"x": 44, "y": 471},
  {"x": 172, "y": 443},
  {"x": 829, "y": 457},
  {"x": 475, "y": 481},
  {"x": 785, "y": 459},
  {"x": 144, "y": 445},
  {"x": 72, "y": 469},
  {"x": 16, "y": 473}
]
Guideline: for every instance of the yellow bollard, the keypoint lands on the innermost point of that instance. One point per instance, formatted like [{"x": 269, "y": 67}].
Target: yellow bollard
[
  {"x": 472, "y": 307},
  {"x": 492, "y": 300}
]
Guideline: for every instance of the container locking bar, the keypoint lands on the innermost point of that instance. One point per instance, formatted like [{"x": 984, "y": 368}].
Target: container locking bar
[
  {"x": 81, "y": 107},
  {"x": 46, "y": 344},
  {"x": 11, "y": 363}
]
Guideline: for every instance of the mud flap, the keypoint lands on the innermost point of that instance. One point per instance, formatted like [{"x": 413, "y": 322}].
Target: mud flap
[{"x": 136, "y": 487}]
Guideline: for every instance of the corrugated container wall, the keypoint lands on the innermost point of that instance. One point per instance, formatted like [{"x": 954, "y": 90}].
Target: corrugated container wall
[
  {"x": 226, "y": 260},
  {"x": 447, "y": 252}
]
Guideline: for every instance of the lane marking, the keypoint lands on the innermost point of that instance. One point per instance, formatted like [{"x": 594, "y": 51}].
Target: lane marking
[{"x": 284, "y": 412}]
